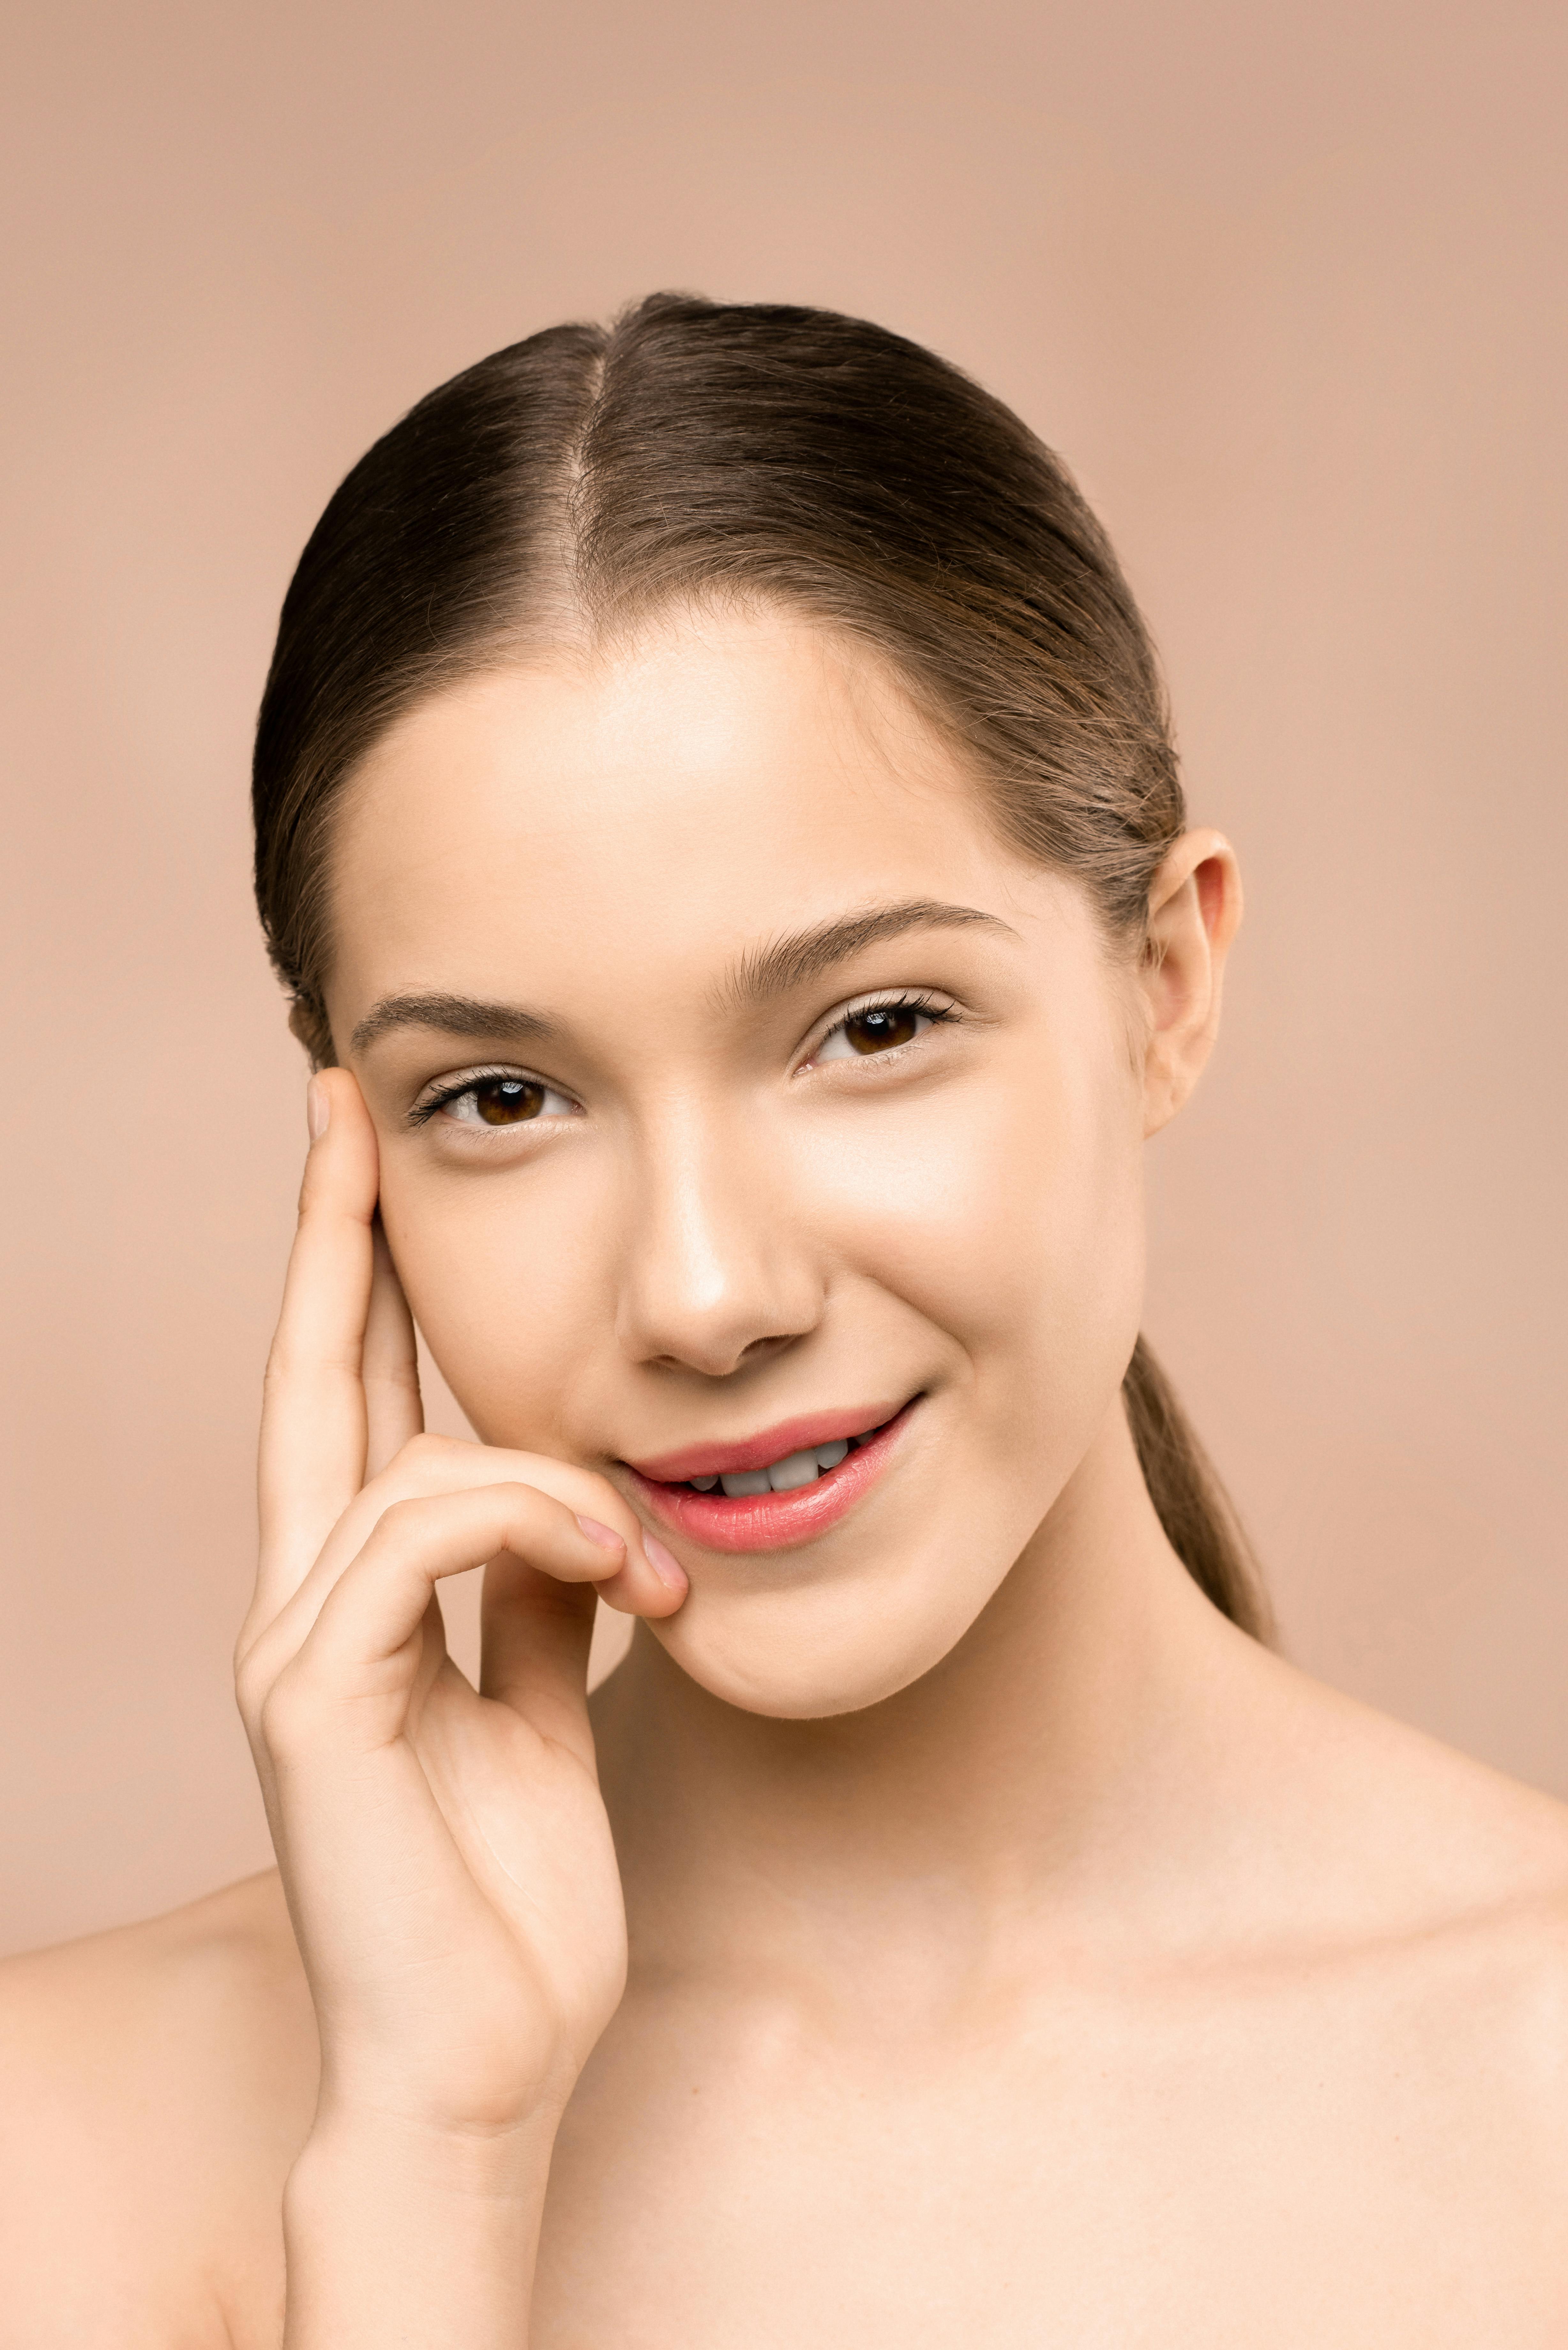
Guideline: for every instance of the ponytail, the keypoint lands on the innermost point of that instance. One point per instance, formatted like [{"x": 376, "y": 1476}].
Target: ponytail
[{"x": 1191, "y": 1504}]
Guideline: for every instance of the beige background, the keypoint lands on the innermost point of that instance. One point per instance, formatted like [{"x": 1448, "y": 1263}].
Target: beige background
[{"x": 1283, "y": 280}]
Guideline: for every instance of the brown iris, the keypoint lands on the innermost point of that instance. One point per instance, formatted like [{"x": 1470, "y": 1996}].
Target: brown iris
[
  {"x": 881, "y": 1026},
  {"x": 507, "y": 1101}
]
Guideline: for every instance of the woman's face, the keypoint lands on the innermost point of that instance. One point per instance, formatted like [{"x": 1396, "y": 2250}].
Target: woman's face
[{"x": 740, "y": 1095}]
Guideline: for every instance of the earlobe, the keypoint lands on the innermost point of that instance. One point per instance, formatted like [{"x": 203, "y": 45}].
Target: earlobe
[{"x": 1194, "y": 909}]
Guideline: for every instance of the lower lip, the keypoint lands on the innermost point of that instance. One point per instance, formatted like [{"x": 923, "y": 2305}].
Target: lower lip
[{"x": 773, "y": 1521}]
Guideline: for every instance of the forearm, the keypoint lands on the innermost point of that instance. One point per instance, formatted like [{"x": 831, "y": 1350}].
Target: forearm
[{"x": 400, "y": 2236}]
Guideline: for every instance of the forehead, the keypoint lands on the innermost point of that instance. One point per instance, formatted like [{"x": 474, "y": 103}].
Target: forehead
[{"x": 718, "y": 779}]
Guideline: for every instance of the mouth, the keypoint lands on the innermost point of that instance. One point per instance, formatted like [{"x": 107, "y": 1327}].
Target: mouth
[{"x": 774, "y": 1491}]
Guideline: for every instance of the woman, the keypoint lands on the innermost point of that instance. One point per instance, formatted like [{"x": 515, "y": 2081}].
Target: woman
[{"x": 718, "y": 827}]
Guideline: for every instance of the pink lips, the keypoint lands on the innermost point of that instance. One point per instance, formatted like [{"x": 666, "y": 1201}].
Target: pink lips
[{"x": 769, "y": 1521}]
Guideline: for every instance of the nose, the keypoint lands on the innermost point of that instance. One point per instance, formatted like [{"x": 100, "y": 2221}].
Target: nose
[{"x": 718, "y": 1269}]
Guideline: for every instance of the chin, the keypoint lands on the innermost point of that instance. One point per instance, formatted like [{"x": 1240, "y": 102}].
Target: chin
[{"x": 811, "y": 1651}]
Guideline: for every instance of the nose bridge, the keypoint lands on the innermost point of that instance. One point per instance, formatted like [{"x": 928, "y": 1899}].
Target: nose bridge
[{"x": 713, "y": 1262}]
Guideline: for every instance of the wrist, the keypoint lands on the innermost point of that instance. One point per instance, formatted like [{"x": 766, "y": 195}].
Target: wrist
[
  {"x": 494, "y": 2163},
  {"x": 396, "y": 2229}
]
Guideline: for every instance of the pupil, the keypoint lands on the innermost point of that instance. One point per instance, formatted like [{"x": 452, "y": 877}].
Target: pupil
[
  {"x": 882, "y": 1027},
  {"x": 506, "y": 1101}
]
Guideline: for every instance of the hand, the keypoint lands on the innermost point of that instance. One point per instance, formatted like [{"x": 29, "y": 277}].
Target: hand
[{"x": 445, "y": 1852}]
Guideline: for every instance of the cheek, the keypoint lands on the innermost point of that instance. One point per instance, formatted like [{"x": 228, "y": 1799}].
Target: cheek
[
  {"x": 499, "y": 1280},
  {"x": 1007, "y": 1213}
]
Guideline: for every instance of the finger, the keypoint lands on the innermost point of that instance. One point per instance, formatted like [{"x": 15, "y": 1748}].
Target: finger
[
  {"x": 534, "y": 1637},
  {"x": 363, "y": 1651},
  {"x": 433, "y": 1465},
  {"x": 313, "y": 1438},
  {"x": 389, "y": 1373},
  {"x": 432, "y": 1653},
  {"x": 533, "y": 1646}
]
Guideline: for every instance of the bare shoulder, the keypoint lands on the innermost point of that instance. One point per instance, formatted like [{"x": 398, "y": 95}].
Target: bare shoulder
[
  {"x": 155, "y": 2083},
  {"x": 1444, "y": 1834},
  {"x": 1443, "y": 1876},
  {"x": 1490, "y": 1858}
]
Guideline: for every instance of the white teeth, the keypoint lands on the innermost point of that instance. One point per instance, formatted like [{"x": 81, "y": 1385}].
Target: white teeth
[
  {"x": 746, "y": 1480},
  {"x": 799, "y": 1468},
  {"x": 783, "y": 1476}
]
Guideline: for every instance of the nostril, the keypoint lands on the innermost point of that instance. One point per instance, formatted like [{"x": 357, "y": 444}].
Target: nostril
[
  {"x": 718, "y": 1363},
  {"x": 723, "y": 1367}
]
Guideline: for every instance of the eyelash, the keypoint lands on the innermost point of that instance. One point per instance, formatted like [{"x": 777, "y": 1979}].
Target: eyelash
[
  {"x": 422, "y": 1112},
  {"x": 927, "y": 1007}
]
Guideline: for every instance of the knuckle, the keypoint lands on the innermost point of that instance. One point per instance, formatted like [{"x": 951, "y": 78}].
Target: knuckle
[
  {"x": 520, "y": 1494},
  {"x": 277, "y": 1720},
  {"x": 529, "y": 1511},
  {"x": 424, "y": 1450},
  {"x": 417, "y": 1464},
  {"x": 250, "y": 1690},
  {"x": 405, "y": 1519},
  {"x": 407, "y": 1475},
  {"x": 288, "y": 1713}
]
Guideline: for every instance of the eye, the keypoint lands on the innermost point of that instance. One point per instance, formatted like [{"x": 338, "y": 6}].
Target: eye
[
  {"x": 874, "y": 1028},
  {"x": 493, "y": 1097}
]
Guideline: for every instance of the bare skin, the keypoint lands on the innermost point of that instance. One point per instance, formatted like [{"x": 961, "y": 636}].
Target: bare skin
[{"x": 1013, "y": 1951}]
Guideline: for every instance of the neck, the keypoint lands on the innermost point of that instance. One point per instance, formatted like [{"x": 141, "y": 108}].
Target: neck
[{"x": 1050, "y": 1766}]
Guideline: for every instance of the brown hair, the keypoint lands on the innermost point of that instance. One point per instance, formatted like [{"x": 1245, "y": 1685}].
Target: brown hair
[{"x": 588, "y": 474}]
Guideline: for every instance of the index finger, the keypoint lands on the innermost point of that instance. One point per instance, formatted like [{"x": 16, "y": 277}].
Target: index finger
[{"x": 313, "y": 1423}]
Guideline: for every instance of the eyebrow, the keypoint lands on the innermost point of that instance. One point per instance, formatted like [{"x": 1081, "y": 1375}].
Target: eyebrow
[
  {"x": 454, "y": 1016},
  {"x": 788, "y": 963},
  {"x": 759, "y": 975}
]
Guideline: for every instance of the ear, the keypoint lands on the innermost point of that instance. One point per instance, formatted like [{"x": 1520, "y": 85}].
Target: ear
[{"x": 1194, "y": 907}]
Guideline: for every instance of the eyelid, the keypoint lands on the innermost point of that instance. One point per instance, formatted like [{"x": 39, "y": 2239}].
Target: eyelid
[
  {"x": 933, "y": 1002},
  {"x": 441, "y": 1090}
]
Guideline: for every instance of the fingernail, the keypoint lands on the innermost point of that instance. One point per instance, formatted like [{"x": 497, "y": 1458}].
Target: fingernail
[
  {"x": 605, "y": 1537},
  {"x": 664, "y": 1562},
  {"x": 318, "y": 1109}
]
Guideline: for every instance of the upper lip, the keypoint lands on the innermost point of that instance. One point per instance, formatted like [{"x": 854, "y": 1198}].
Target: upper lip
[{"x": 771, "y": 1444}]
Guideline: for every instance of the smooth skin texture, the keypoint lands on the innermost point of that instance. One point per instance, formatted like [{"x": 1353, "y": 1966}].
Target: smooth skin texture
[{"x": 950, "y": 1931}]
